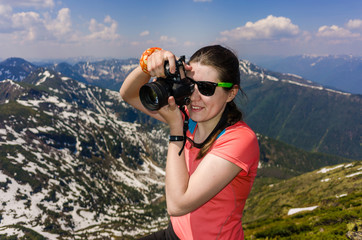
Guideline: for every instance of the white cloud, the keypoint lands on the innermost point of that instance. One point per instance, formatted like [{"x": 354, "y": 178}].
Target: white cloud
[
  {"x": 100, "y": 31},
  {"x": 5, "y": 10},
  {"x": 202, "y": 0},
  {"x": 167, "y": 39},
  {"x": 62, "y": 24},
  {"x": 144, "y": 33},
  {"x": 270, "y": 27},
  {"x": 51, "y": 28},
  {"x": 335, "y": 32},
  {"x": 25, "y": 19},
  {"x": 354, "y": 24},
  {"x": 29, "y": 3},
  {"x": 31, "y": 26},
  {"x": 189, "y": 44},
  {"x": 5, "y": 16},
  {"x": 28, "y": 26}
]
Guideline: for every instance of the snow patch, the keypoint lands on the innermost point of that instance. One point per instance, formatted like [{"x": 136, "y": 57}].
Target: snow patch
[
  {"x": 342, "y": 195},
  {"x": 325, "y": 170},
  {"x": 46, "y": 75},
  {"x": 2, "y": 131},
  {"x": 354, "y": 174},
  {"x": 297, "y": 210}
]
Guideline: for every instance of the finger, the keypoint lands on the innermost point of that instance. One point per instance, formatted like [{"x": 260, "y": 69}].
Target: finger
[
  {"x": 187, "y": 67},
  {"x": 171, "y": 62},
  {"x": 155, "y": 64},
  {"x": 172, "y": 103}
]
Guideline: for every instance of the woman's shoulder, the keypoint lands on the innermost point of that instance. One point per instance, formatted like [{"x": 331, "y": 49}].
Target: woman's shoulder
[
  {"x": 240, "y": 128},
  {"x": 238, "y": 144}
]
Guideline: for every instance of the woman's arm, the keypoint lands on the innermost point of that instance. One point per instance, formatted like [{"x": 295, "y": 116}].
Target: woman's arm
[{"x": 183, "y": 194}]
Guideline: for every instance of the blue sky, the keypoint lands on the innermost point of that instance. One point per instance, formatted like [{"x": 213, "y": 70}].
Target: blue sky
[{"x": 36, "y": 29}]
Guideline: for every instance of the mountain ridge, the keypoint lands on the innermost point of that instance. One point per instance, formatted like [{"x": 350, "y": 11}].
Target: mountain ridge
[
  {"x": 75, "y": 163},
  {"x": 287, "y": 99},
  {"x": 15, "y": 69},
  {"x": 278, "y": 103},
  {"x": 335, "y": 71}
]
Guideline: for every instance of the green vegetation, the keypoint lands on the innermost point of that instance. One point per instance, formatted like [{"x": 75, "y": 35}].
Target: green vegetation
[
  {"x": 282, "y": 161},
  {"x": 336, "y": 193},
  {"x": 329, "y": 222}
]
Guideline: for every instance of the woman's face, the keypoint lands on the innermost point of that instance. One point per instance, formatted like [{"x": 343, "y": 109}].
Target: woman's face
[{"x": 206, "y": 108}]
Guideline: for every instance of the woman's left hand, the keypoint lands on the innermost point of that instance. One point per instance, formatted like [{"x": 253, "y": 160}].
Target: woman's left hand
[{"x": 173, "y": 116}]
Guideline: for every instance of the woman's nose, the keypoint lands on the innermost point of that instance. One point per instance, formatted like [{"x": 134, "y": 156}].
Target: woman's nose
[{"x": 196, "y": 94}]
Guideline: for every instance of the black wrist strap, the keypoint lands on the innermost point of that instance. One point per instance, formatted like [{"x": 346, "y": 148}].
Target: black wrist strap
[{"x": 176, "y": 138}]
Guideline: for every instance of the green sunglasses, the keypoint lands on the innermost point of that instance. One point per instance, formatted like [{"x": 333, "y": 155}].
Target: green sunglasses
[{"x": 207, "y": 88}]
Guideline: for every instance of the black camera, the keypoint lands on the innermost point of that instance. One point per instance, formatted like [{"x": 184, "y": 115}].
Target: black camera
[{"x": 155, "y": 95}]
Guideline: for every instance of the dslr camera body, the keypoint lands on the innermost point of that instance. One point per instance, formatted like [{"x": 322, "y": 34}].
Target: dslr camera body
[{"x": 154, "y": 95}]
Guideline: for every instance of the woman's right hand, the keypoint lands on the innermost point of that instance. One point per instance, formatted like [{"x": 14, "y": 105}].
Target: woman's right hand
[{"x": 156, "y": 63}]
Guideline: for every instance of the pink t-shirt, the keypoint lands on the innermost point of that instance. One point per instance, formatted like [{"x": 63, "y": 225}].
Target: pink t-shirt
[{"x": 220, "y": 217}]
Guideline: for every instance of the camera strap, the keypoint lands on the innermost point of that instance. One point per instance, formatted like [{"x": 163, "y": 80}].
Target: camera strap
[
  {"x": 185, "y": 127},
  {"x": 222, "y": 124}
]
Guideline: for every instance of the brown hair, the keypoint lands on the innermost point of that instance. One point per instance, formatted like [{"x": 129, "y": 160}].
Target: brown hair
[{"x": 227, "y": 65}]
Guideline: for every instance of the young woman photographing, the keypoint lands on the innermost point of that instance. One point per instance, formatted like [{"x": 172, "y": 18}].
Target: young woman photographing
[{"x": 208, "y": 177}]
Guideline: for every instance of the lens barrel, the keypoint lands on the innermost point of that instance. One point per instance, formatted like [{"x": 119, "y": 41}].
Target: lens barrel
[{"x": 155, "y": 95}]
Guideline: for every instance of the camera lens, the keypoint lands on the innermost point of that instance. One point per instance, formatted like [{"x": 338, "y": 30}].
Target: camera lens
[{"x": 155, "y": 95}]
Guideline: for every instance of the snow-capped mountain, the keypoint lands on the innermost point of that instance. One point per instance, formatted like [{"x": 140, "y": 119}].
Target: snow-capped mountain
[
  {"x": 342, "y": 72},
  {"x": 15, "y": 69},
  {"x": 107, "y": 73},
  {"x": 73, "y": 162},
  {"x": 103, "y": 73},
  {"x": 251, "y": 70}
]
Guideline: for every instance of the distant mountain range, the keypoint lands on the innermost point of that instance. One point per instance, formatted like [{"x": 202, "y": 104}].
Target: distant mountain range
[
  {"x": 103, "y": 73},
  {"x": 341, "y": 72},
  {"x": 287, "y": 107},
  {"x": 106, "y": 73}
]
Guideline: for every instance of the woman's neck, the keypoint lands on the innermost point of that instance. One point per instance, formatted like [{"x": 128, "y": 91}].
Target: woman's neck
[{"x": 204, "y": 129}]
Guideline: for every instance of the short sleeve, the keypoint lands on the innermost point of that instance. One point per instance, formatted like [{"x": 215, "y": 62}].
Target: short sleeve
[{"x": 238, "y": 145}]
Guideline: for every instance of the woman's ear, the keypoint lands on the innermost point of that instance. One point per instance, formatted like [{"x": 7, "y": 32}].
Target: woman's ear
[{"x": 232, "y": 93}]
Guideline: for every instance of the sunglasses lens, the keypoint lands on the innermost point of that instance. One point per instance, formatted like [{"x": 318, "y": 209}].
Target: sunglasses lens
[{"x": 206, "y": 88}]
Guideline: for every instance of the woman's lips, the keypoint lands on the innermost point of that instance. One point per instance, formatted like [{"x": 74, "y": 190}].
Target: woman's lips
[{"x": 196, "y": 108}]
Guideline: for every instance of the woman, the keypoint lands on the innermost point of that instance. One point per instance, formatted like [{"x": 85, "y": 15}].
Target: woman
[{"x": 208, "y": 182}]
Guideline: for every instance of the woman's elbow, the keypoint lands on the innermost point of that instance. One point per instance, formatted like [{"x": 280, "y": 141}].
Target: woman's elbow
[
  {"x": 126, "y": 97},
  {"x": 176, "y": 211},
  {"x": 123, "y": 94}
]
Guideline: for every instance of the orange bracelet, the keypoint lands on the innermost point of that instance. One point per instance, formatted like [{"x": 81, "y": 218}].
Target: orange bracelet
[{"x": 144, "y": 58}]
